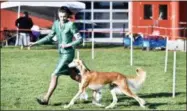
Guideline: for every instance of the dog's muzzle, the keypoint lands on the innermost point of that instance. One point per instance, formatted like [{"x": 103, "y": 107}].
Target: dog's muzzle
[{"x": 72, "y": 64}]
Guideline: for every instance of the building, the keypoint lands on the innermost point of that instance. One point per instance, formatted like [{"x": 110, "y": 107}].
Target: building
[
  {"x": 170, "y": 16},
  {"x": 113, "y": 18}
]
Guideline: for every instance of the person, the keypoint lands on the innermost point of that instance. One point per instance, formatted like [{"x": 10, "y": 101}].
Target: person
[
  {"x": 64, "y": 30},
  {"x": 24, "y": 24}
]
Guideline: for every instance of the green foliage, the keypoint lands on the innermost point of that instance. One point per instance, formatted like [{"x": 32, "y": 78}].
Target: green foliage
[{"x": 25, "y": 75}]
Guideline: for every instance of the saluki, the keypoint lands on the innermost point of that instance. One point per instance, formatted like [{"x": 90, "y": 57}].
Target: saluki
[{"x": 118, "y": 82}]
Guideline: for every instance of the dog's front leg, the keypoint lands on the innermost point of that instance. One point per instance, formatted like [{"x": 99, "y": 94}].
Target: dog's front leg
[
  {"x": 74, "y": 99},
  {"x": 82, "y": 88},
  {"x": 84, "y": 95}
]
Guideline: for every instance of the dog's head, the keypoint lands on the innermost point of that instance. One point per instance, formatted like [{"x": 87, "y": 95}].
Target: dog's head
[
  {"x": 76, "y": 63},
  {"x": 140, "y": 71},
  {"x": 79, "y": 64}
]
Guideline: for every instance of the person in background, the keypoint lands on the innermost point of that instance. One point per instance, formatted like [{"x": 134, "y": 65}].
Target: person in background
[
  {"x": 64, "y": 30},
  {"x": 24, "y": 24}
]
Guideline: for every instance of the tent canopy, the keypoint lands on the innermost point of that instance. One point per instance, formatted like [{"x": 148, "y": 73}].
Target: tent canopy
[
  {"x": 71, "y": 5},
  {"x": 46, "y": 10}
]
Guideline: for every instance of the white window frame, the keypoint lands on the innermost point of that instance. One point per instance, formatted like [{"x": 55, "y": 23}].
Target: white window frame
[{"x": 110, "y": 20}]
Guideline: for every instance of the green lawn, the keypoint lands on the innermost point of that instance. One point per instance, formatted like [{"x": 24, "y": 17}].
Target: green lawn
[{"x": 25, "y": 75}]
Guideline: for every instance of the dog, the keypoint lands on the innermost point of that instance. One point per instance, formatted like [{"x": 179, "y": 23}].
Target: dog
[{"x": 119, "y": 84}]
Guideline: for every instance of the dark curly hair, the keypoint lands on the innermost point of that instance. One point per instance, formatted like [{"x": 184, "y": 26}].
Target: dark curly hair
[{"x": 66, "y": 10}]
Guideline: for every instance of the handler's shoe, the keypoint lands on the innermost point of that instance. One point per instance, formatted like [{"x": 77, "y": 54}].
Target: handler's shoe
[
  {"x": 21, "y": 48},
  {"x": 28, "y": 48},
  {"x": 41, "y": 101}
]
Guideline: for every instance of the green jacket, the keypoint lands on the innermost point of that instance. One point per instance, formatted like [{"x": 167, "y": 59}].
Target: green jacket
[{"x": 64, "y": 35}]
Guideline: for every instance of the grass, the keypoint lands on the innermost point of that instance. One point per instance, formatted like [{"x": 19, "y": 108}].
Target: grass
[{"x": 25, "y": 75}]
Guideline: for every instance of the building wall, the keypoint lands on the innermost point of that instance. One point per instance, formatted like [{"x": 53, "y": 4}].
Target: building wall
[
  {"x": 156, "y": 20},
  {"x": 183, "y": 18},
  {"x": 183, "y": 8}
]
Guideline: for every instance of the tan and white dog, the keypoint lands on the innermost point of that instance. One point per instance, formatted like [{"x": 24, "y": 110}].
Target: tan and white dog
[{"x": 119, "y": 83}]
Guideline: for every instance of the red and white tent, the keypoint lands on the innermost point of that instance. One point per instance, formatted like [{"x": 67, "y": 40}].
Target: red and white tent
[{"x": 42, "y": 13}]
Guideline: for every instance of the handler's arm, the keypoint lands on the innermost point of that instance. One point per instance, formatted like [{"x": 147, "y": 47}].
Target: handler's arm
[{"x": 77, "y": 36}]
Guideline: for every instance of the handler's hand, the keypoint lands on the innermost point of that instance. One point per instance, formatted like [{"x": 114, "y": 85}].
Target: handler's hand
[
  {"x": 31, "y": 44},
  {"x": 65, "y": 46}
]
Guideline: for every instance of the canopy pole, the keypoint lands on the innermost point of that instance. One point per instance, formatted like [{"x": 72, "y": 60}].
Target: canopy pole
[{"x": 18, "y": 15}]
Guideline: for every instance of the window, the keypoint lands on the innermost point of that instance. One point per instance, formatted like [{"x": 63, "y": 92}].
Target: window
[
  {"x": 79, "y": 26},
  {"x": 80, "y": 16},
  {"x": 106, "y": 15},
  {"x": 148, "y": 12},
  {"x": 101, "y": 5},
  {"x": 101, "y": 15},
  {"x": 102, "y": 25},
  {"x": 120, "y": 5},
  {"x": 163, "y": 12},
  {"x": 101, "y": 35},
  {"x": 120, "y": 15},
  {"x": 120, "y": 25},
  {"x": 117, "y": 35},
  {"x": 87, "y": 3}
]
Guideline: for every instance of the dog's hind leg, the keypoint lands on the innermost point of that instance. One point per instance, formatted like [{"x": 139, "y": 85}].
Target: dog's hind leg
[
  {"x": 96, "y": 98},
  {"x": 129, "y": 93},
  {"x": 115, "y": 99}
]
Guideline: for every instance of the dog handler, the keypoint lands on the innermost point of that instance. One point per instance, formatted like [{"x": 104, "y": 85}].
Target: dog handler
[{"x": 64, "y": 30}]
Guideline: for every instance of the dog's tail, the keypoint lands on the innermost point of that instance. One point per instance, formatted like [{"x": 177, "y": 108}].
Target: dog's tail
[{"x": 136, "y": 82}]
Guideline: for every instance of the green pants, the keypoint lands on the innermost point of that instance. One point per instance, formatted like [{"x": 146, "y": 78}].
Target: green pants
[{"x": 62, "y": 66}]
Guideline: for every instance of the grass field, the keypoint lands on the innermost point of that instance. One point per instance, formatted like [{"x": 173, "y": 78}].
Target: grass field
[{"x": 25, "y": 75}]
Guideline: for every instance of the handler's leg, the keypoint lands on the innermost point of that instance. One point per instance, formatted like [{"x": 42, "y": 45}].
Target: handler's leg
[
  {"x": 62, "y": 65},
  {"x": 52, "y": 87}
]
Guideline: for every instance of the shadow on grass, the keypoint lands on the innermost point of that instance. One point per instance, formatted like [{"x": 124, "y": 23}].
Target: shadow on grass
[
  {"x": 77, "y": 102},
  {"x": 154, "y": 105},
  {"x": 162, "y": 94},
  {"x": 147, "y": 105},
  {"x": 122, "y": 98},
  {"x": 151, "y": 95}
]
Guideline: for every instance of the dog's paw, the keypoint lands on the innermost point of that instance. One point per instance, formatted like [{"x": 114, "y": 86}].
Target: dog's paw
[
  {"x": 142, "y": 102},
  {"x": 66, "y": 106},
  {"x": 142, "y": 106},
  {"x": 97, "y": 104},
  {"x": 109, "y": 107},
  {"x": 100, "y": 105}
]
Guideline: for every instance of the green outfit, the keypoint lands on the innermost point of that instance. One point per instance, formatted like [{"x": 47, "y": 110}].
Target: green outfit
[{"x": 64, "y": 35}]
